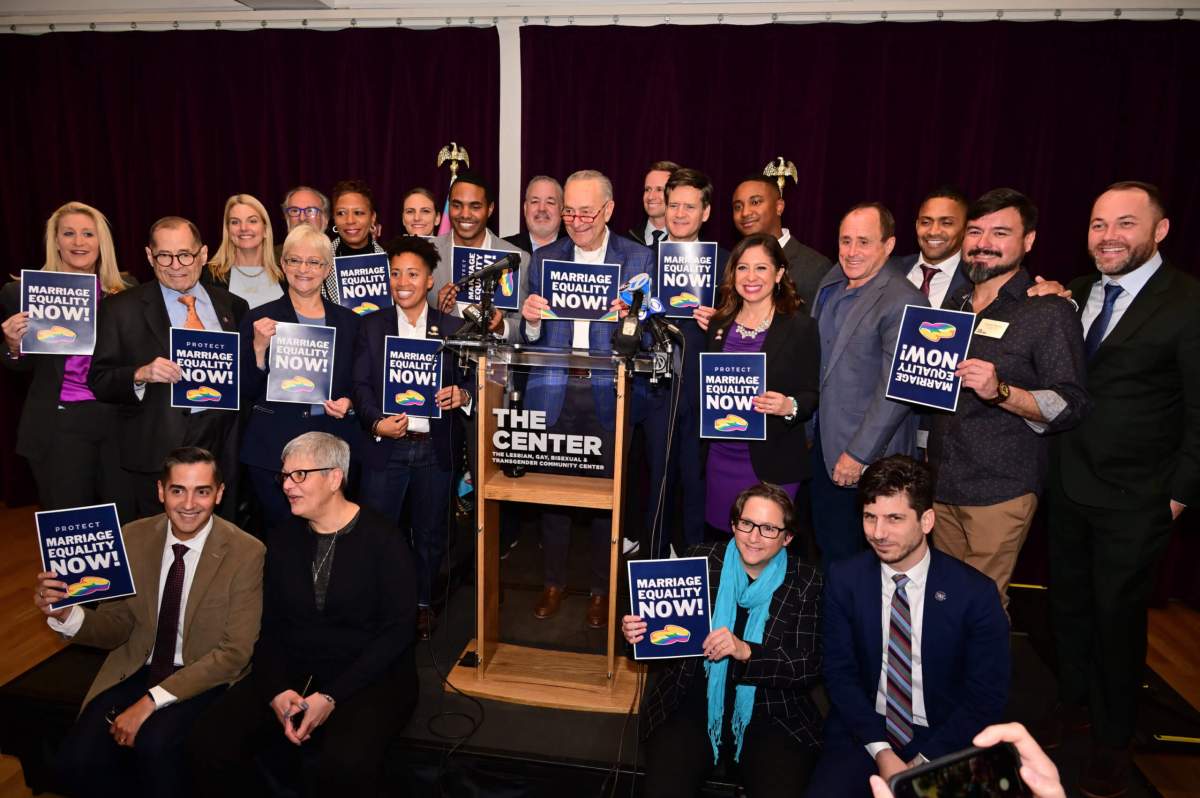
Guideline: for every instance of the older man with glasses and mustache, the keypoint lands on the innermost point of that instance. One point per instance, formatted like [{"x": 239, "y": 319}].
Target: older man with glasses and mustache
[{"x": 1024, "y": 378}]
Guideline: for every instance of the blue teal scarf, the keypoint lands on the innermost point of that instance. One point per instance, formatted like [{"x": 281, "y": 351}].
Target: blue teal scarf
[{"x": 736, "y": 591}]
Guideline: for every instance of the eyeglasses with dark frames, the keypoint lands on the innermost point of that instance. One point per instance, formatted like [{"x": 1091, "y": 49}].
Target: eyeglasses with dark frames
[
  {"x": 569, "y": 216},
  {"x": 746, "y": 527},
  {"x": 295, "y": 212},
  {"x": 185, "y": 258},
  {"x": 299, "y": 475}
]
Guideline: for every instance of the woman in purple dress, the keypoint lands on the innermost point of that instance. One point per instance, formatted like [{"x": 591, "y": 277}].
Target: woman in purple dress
[{"x": 758, "y": 311}]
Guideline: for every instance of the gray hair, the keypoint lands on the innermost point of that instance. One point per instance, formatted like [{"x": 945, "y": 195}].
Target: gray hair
[
  {"x": 547, "y": 178},
  {"x": 287, "y": 199},
  {"x": 325, "y": 449},
  {"x": 591, "y": 174}
]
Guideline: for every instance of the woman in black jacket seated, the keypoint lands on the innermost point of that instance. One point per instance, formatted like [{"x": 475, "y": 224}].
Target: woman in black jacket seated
[
  {"x": 749, "y": 703},
  {"x": 333, "y": 672}
]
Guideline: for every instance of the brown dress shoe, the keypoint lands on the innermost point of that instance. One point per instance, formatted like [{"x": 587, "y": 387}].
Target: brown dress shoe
[
  {"x": 1106, "y": 774},
  {"x": 425, "y": 618},
  {"x": 597, "y": 612},
  {"x": 549, "y": 603}
]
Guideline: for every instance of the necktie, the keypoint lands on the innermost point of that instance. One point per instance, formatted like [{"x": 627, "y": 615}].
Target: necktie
[
  {"x": 192, "y": 322},
  {"x": 929, "y": 273},
  {"x": 1100, "y": 326},
  {"x": 658, "y": 236},
  {"x": 162, "y": 663},
  {"x": 898, "y": 718}
]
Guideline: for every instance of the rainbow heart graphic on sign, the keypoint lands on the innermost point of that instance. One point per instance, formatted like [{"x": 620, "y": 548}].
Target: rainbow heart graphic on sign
[
  {"x": 731, "y": 423},
  {"x": 204, "y": 394},
  {"x": 507, "y": 283},
  {"x": 87, "y": 586},
  {"x": 685, "y": 300},
  {"x": 936, "y": 330},
  {"x": 409, "y": 398},
  {"x": 669, "y": 635},
  {"x": 298, "y": 384},
  {"x": 56, "y": 335},
  {"x": 365, "y": 308}
]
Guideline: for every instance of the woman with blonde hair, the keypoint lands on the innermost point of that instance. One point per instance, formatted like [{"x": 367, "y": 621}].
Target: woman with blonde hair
[
  {"x": 245, "y": 261},
  {"x": 67, "y": 436}
]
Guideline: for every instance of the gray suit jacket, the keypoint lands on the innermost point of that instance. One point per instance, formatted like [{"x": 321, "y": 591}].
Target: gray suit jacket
[
  {"x": 444, "y": 273},
  {"x": 854, "y": 415},
  {"x": 807, "y": 268}
]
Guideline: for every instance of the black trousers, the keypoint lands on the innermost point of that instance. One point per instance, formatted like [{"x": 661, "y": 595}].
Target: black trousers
[
  {"x": 80, "y": 465},
  {"x": 90, "y": 763},
  {"x": 343, "y": 758},
  {"x": 679, "y": 758},
  {"x": 1102, "y": 566}
]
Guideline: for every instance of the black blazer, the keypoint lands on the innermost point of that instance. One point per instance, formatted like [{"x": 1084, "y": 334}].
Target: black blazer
[
  {"x": 1140, "y": 446},
  {"x": 807, "y": 268},
  {"x": 793, "y": 350},
  {"x": 784, "y": 666},
  {"x": 131, "y": 332},
  {"x": 272, "y": 424},
  {"x": 368, "y": 383},
  {"x": 522, "y": 241},
  {"x": 365, "y": 631}
]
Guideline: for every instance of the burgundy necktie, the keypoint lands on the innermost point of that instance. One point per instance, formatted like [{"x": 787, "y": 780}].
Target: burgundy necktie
[
  {"x": 162, "y": 662},
  {"x": 930, "y": 273}
]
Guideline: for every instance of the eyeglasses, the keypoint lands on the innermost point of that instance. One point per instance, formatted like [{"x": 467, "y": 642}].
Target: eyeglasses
[
  {"x": 299, "y": 263},
  {"x": 299, "y": 475},
  {"x": 165, "y": 259},
  {"x": 296, "y": 213},
  {"x": 746, "y": 526},
  {"x": 569, "y": 216}
]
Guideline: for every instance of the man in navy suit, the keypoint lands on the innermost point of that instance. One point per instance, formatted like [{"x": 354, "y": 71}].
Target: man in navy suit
[
  {"x": 587, "y": 207},
  {"x": 936, "y": 270},
  {"x": 916, "y": 643}
]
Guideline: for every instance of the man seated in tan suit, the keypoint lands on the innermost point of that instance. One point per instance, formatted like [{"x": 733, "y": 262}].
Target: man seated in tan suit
[{"x": 176, "y": 645}]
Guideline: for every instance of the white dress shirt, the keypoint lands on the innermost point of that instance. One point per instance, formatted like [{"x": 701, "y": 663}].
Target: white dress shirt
[
  {"x": 414, "y": 332},
  {"x": 915, "y": 591},
  {"x": 1132, "y": 283},
  {"x": 69, "y": 626},
  {"x": 579, "y": 335},
  {"x": 940, "y": 283},
  {"x": 785, "y": 236},
  {"x": 648, "y": 233}
]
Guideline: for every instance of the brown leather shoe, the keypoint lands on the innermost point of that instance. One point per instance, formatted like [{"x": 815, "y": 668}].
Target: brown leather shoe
[
  {"x": 549, "y": 603},
  {"x": 1061, "y": 721},
  {"x": 1106, "y": 774},
  {"x": 597, "y": 612},
  {"x": 425, "y": 619}
]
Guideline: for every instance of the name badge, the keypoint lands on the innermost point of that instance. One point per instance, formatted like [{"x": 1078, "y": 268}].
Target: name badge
[{"x": 990, "y": 328}]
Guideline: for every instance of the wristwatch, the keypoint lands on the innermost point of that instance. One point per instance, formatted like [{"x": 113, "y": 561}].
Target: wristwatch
[
  {"x": 795, "y": 409},
  {"x": 1003, "y": 391}
]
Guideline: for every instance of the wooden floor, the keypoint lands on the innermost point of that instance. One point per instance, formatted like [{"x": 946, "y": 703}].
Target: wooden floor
[{"x": 1174, "y": 653}]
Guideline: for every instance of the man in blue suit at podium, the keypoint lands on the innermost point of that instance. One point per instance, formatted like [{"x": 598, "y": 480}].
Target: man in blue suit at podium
[{"x": 587, "y": 208}]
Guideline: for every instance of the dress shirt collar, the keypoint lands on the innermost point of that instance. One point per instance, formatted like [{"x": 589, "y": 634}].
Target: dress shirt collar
[
  {"x": 916, "y": 575},
  {"x": 596, "y": 255},
  {"x": 402, "y": 323},
  {"x": 648, "y": 233},
  {"x": 196, "y": 542},
  {"x": 171, "y": 295},
  {"x": 785, "y": 236},
  {"x": 1136, "y": 280},
  {"x": 948, "y": 266},
  {"x": 487, "y": 242}
]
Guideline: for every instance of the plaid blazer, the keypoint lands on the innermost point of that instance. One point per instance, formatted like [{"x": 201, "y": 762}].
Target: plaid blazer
[{"x": 784, "y": 666}]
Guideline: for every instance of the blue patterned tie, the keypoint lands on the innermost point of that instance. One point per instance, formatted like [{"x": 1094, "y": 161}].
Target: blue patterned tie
[
  {"x": 1100, "y": 326},
  {"x": 898, "y": 717}
]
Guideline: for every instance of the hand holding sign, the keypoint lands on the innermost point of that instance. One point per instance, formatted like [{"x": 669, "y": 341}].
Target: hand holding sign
[
  {"x": 531, "y": 311},
  {"x": 980, "y": 377},
  {"x": 446, "y": 298},
  {"x": 264, "y": 331},
  {"x": 50, "y": 590},
  {"x": 158, "y": 370},
  {"x": 634, "y": 629},
  {"x": 14, "y": 330}
]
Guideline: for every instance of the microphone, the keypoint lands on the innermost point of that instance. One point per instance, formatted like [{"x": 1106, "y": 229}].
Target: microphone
[
  {"x": 628, "y": 335},
  {"x": 510, "y": 261},
  {"x": 660, "y": 326}
]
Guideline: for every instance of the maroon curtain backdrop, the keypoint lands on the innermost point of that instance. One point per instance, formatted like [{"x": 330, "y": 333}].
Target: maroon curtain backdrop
[
  {"x": 881, "y": 111},
  {"x": 142, "y": 125}
]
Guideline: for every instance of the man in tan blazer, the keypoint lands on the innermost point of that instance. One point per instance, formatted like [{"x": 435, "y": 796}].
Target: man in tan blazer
[{"x": 184, "y": 637}]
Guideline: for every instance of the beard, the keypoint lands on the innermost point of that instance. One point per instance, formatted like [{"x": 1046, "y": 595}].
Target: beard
[
  {"x": 979, "y": 273},
  {"x": 1138, "y": 255}
]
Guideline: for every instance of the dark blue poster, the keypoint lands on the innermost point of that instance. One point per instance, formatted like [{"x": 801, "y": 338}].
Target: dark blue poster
[
  {"x": 412, "y": 376},
  {"x": 468, "y": 260},
  {"x": 62, "y": 313},
  {"x": 672, "y": 597},
  {"x": 686, "y": 276},
  {"x": 84, "y": 548},
  {"x": 363, "y": 284},
  {"x": 728, "y": 384},
  {"x": 580, "y": 291},
  {"x": 929, "y": 347},
  {"x": 300, "y": 363},
  {"x": 209, "y": 369}
]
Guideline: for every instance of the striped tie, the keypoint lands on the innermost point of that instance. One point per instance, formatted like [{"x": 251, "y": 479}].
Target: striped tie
[{"x": 898, "y": 718}]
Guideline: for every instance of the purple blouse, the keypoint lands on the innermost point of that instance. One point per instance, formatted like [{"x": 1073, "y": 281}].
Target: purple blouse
[{"x": 75, "y": 373}]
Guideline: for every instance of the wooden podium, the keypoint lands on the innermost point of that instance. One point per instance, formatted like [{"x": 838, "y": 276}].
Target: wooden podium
[{"x": 524, "y": 674}]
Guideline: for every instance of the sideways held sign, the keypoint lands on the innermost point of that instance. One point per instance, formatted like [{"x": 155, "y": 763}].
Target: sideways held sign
[
  {"x": 468, "y": 260},
  {"x": 83, "y": 546},
  {"x": 672, "y": 597},
  {"x": 301, "y": 363},
  {"x": 208, "y": 367},
  {"x": 929, "y": 347},
  {"x": 362, "y": 281},
  {"x": 579, "y": 291},
  {"x": 62, "y": 313}
]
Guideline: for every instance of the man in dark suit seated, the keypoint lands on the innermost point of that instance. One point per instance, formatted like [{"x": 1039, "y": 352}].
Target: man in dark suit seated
[
  {"x": 175, "y": 645},
  {"x": 1120, "y": 478},
  {"x": 936, "y": 269},
  {"x": 542, "y": 209},
  {"x": 130, "y": 366},
  {"x": 916, "y": 643}
]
